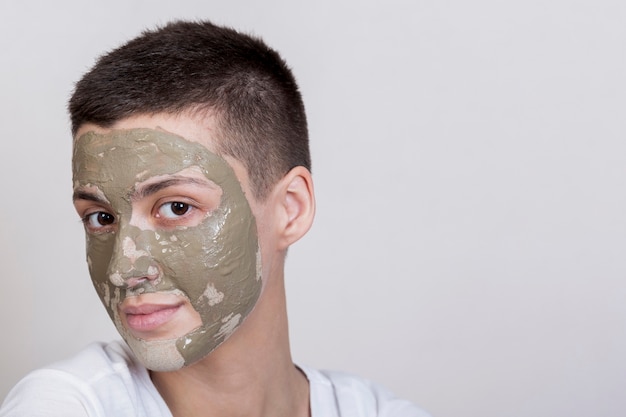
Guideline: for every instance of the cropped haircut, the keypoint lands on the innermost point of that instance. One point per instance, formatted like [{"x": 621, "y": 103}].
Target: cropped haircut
[{"x": 199, "y": 67}]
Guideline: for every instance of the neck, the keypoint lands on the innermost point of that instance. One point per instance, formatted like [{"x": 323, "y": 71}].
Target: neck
[{"x": 251, "y": 374}]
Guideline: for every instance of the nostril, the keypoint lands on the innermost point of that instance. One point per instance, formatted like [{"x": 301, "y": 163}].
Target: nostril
[
  {"x": 134, "y": 282},
  {"x": 135, "y": 278}
]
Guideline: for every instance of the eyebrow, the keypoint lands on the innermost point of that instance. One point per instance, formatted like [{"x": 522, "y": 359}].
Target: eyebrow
[
  {"x": 85, "y": 195},
  {"x": 146, "y": 190}
]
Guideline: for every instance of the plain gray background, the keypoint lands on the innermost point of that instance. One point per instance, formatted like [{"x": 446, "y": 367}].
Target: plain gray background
[{"x": 469, "y": 160}]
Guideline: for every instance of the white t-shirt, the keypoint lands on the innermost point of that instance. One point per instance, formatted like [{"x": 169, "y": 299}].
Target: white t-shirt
[{"x": 105, "y": 380}]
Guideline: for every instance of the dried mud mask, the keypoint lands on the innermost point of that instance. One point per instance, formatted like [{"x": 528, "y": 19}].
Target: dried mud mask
[{"x": 214, "y": 264}]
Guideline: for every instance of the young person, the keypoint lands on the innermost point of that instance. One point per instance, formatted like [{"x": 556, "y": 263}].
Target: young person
[{"x": 191, "y": 172}]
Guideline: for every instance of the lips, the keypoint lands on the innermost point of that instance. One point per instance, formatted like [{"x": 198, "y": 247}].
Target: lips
[{"x": 148, "y": 317}]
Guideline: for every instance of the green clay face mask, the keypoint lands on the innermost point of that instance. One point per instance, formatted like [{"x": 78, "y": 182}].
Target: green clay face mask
[{"x": 166, "y": 219}]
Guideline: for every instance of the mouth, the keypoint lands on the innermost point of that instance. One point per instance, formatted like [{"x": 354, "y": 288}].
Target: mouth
[{"x": 143, "y": 318}]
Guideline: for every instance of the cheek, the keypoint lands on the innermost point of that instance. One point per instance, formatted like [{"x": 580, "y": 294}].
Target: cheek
[
  {"x": 215, "y": 264},
  {"x": 99, "y": 253},
  {"x": 186, "y": 258}
]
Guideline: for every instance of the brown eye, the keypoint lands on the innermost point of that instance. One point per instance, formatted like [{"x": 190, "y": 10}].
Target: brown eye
[
  {"x": 99, "y": 219},
  {"x": 174, "y": 209},
  {"x": 180, "y": 208},
  {"x": 105, "y": 219}
]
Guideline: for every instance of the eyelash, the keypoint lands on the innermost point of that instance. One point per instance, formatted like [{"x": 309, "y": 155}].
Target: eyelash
[{"x": 90, "y": 219}]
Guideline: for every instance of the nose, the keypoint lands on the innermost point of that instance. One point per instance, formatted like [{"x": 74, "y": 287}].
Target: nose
[{"x": 131, "y": 262}]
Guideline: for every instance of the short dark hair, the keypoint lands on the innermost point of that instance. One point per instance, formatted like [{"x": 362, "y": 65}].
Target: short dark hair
[{"x": 199, "y": 66}]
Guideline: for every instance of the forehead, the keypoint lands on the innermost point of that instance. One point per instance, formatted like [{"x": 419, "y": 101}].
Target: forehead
[
  {"x": 196, "y": 127},
  {"x": 135, "y": 155}
]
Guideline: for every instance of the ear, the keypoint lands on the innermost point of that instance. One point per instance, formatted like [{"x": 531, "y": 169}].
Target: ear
[{"x": 297, "y": 201}]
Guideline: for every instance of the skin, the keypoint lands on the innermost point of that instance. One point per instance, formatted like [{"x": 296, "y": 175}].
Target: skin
[
  {"x": 251, "y": 373},
  {"x": 145, "y": 221}
]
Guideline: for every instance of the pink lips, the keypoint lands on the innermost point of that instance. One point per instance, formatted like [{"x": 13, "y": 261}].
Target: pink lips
[{"x": 148, "y": 317}]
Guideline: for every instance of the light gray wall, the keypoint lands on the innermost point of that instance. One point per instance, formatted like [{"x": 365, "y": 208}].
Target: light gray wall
[{"x": 470, "y": 168}]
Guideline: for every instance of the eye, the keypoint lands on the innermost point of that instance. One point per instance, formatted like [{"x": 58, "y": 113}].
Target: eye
[
  {"x": 98, "y": 220},
  {"x": 174, "y": 209}
]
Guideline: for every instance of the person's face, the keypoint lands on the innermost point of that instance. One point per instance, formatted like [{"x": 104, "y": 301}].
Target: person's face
[{"x": 172, "y": 244}]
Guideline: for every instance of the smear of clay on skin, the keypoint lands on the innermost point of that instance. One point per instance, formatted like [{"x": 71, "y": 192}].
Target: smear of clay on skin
[
  {"x": 213, "y": 295},
  {"x": 230, "y": 324},
  {"x": 130, "y": 249},
  {"x": 216, "y": 264}
]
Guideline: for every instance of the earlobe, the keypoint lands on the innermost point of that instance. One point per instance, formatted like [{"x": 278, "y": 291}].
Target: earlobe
[{"x": 298, "y": 201}]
